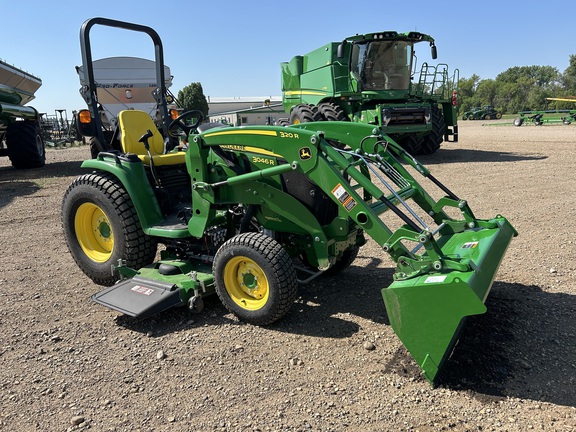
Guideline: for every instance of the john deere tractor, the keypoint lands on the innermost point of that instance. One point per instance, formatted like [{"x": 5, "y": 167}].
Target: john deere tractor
[
  {"x": 368, "y": 79},
  {"x": 250, "y": 213}
]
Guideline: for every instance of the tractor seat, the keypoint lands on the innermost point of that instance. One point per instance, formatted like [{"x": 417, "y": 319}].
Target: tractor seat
[{"x": 134, "y": 124}]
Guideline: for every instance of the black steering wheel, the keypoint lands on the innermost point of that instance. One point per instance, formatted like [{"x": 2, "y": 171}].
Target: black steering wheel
[{"x": 180, "y": 123}]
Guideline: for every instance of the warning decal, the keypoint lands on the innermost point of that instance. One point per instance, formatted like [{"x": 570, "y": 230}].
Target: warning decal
[
  {"x": 435, "y": 279},
  {"x": 344, "y": 197},
  {"x": 142, "y": 290},
  {"x": 470, "y": 245}
]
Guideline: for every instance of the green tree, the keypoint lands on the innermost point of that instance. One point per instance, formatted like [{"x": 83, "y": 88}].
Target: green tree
[
  {"x": 569, "y": 78},
  {"x": 192, "y": 97},
  {"x": 466, "y": 91}
]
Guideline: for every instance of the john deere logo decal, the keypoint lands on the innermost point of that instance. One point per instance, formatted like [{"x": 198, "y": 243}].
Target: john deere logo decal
[{"x": 305, "y": 153}]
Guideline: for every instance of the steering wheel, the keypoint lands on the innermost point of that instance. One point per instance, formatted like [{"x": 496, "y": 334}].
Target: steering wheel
[{"x": 180, "y": 123}]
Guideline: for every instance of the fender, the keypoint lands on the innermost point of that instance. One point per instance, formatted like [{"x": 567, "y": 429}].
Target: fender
[{"x": 133, "y": 177}]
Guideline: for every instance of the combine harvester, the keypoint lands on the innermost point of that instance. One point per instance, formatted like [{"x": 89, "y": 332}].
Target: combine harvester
[
  {"x": 20, "y": 133},
  {"x": 373, "y": 79},
  {"x": 248, "y": 213}
]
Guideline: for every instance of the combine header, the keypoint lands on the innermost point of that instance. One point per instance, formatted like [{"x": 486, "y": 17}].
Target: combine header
[{"x": 248, "y": 213}]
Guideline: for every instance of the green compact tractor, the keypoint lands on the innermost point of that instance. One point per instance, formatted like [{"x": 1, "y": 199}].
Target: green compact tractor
[
  {"x": 368, "y": 79},
  {"x": 249, "y": 213}
]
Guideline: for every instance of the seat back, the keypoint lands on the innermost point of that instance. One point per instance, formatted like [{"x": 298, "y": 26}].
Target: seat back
[{"x": 134, "y": 124}]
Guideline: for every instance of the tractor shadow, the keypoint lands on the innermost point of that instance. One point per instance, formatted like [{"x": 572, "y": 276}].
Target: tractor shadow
[
  {"x": 324, "y": 306},
  {"x": 522, "y": 347},
  {"x": 22, "y": 182},
  {"x": 460, "y": 155}
]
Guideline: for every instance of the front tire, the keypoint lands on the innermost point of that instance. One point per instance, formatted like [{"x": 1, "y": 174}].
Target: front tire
[
  {"x": 332, "y": 112},
  {"x": 101, "y": 227},
  {"x": 304, "y": 114},
  {"x": 255, "y": 278},
  {"x": 432, "y": 141}
]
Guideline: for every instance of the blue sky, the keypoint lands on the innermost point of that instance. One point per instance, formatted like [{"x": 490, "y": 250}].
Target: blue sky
[{"x": 235, "y": 48}]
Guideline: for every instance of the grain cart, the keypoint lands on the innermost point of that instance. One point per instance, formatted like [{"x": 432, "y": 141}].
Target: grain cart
[
  {"x": 20, "y": 134},
  {"x": 249, "y": 213},
  {"x": 368, "y": 79}
]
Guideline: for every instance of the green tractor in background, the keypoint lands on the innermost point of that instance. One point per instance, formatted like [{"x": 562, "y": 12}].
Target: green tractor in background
[
  {"x": 470, "y": 113},
  {"x": 369, "y": 79},
  {"x": 487, "y": 112}
]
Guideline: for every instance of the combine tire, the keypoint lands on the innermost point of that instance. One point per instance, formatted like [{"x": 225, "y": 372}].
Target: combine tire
[
  {"x": 101, "y": 227},
  {"x": 412, "y": 144},
  {"x": 255, "y": 278},
  {"x": 432, "y": 141},
  {"x": 332, "y": 112},
  {"x": 25, "y": 145},
  {"x": 304, "y": 114}
]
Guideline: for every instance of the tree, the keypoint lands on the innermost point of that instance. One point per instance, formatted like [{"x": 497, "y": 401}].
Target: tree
[
  {"x": 569, "y": 78},
  {"x": 192, "y": 97}
]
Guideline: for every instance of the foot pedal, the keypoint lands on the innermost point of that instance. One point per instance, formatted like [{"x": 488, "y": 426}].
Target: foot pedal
[{"x": 140, "y": 297}]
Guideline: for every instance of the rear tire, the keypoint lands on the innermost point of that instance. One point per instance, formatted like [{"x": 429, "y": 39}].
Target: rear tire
[
  {"x": 101, "y": 227},
  {"x": 255, "y": 278},
  {"x": 25, "y": 145},
  {"x": 95, "y": 146}
]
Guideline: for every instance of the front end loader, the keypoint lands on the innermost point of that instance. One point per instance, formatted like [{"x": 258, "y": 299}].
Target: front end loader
[{"x": 249, "y": 213}]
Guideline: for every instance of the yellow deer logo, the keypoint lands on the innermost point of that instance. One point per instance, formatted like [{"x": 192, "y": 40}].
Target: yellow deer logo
[{"x": 305, "y": 153}]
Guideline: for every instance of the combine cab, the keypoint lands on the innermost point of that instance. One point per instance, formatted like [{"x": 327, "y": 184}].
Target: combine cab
[{"x": 368, "y": 79}]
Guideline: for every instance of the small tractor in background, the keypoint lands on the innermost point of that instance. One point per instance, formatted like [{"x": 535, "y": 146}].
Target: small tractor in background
[
  {"x": 487, "y": 112},
  {"x": 369, "y": 79},
  {"x": 20, "y": 132},
  {"x": 469, "y": 113},
  {"x": 249, "y": 213}
]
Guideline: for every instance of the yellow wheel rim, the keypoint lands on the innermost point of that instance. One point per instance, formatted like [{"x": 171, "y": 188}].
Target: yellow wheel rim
[
  {"x": 246, "y": 283},
  {"x": 296, "y": 121},
  {"x": 94, "y": 233}
]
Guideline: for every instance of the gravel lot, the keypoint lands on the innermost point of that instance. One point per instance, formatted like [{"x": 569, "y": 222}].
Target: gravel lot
[{"x": 69, "y": 364}]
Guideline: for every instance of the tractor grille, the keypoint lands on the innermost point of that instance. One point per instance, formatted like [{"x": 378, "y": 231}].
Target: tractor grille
[{"x": 396, "y": 116}]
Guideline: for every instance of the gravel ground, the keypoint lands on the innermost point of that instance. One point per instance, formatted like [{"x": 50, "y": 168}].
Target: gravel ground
[{"x": 333, "y": 363}]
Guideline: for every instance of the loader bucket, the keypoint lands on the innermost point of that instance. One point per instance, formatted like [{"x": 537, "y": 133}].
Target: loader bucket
[{"x": 428, "y": 312}]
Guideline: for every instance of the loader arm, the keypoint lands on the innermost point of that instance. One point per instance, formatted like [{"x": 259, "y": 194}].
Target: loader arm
[{"x": 445, "y": 267}]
